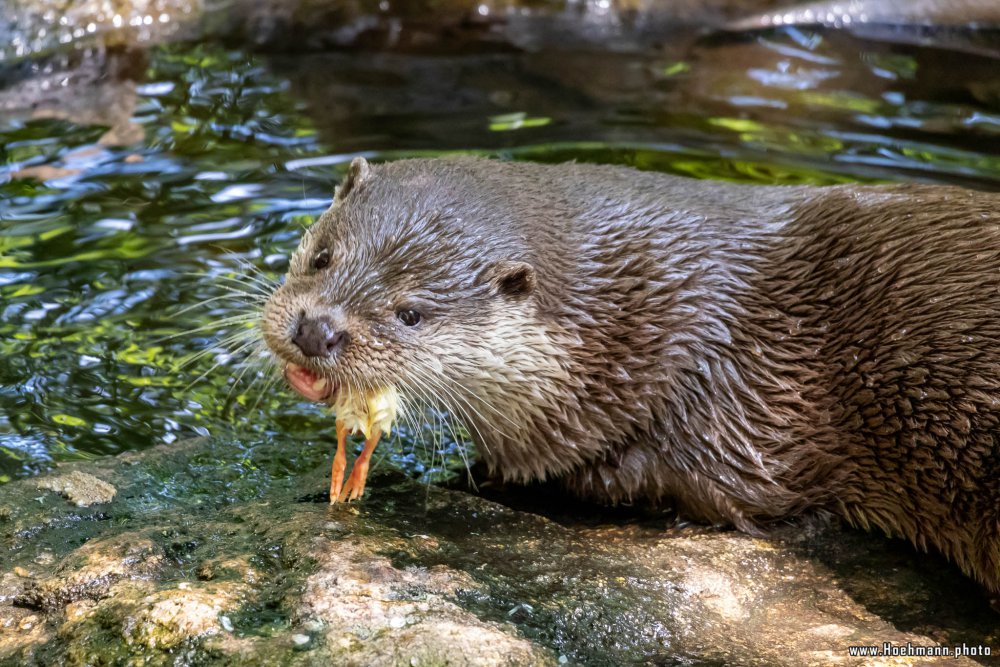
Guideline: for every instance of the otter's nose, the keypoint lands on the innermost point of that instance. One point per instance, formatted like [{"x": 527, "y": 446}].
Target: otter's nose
[{"x": 317, "y": 337}]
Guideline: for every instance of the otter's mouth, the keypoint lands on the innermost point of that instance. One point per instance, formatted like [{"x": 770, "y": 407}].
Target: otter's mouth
[
  {"x": 372, "y": 414},
  {"x": 308, "y": 384}
]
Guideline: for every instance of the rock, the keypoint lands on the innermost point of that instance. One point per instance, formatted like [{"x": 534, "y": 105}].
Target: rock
[
  {"x": 30, "y": 28},
  {"x": 87, "y": 89},
  {"x": 838, "y": 13},
  {"x": 360, "y": 596},
  {"x": 33, "y": 27},
  {"x": 964, "y": 25},
  {"x": 219, "y": 553},
  {"x": 44, "y": 172},
  {"x": 167, "y": 618},
  {"x": 80, "y": 488},
  {"x": 89, "y": 571}
]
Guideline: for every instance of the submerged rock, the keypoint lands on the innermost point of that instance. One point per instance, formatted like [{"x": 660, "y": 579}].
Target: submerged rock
[
  {"x": 91, "y": 88},
  {"x": 213, "y": 551}
]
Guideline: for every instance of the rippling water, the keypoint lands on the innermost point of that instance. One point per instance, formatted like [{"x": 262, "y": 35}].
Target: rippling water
[{"x": 103, "y": 248}]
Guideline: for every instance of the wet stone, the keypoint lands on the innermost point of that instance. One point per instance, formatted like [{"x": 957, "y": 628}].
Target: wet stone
[
  {"x": 167, "y": 618},
  {"x": 89, "y": 571},
  {"x": 169, "y": 570},
  {"x": 80, "y": 488}
]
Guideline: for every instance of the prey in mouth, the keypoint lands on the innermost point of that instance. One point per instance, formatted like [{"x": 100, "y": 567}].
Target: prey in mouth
[
  {"x": 391, "y": 296},
  {"x": 371, "y": 413}
]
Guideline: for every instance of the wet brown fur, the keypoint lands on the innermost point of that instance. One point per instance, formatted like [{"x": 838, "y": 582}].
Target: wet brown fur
[{"x": 749, "y": 352}]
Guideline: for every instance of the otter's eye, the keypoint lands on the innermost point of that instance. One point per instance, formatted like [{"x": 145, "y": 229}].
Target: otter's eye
[
  {"x": 321, "y": 260},
  {"x": 408, "y": 317}
]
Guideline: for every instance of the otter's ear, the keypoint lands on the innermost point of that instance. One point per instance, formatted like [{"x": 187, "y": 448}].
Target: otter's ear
[
  {"x": 510, "y": 278},
  {"x": 357, "y": 175}
]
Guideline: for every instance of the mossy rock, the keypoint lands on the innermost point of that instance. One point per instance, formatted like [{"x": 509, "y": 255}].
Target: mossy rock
[{"x": 213, "y": 552}]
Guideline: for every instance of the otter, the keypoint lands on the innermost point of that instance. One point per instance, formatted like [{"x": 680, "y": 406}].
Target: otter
[{"x": 749, "y": 353}]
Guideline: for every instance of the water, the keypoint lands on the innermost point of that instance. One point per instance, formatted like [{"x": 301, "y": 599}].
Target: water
[{"x": 102, "y": 247}]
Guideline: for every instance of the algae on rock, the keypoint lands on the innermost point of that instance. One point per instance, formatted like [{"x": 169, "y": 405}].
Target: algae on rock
[{"x": 215, "y": 552}]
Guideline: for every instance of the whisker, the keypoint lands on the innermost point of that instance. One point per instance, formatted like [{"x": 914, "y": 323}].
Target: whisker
[
  {"x": 259, "y": 285},
  {"x": 255, "y": 273},
  {"x": 202, "y": 304},
  {"x": 411, "y": 416},
  {"x": 265, "y": 390},
  {"x": 248, "y": 363},
  {"x": 457, "y": 440},
  {"x": 254, "y": 295},
  {"x": 437, "y": 379},
  {"x": 216, "y": 365},
  {"x": 257, "y": 289},
  {"x": 224, "y": 343},
  {"x": 234, "y": 320},
  {"x": 485, "y": 403}
]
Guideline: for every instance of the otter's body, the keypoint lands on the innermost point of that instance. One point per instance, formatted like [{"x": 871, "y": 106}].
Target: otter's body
[{"x": 748, "y": 352}]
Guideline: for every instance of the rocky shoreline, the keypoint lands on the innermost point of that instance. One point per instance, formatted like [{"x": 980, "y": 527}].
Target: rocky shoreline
[{"x": 212, "y": 551}]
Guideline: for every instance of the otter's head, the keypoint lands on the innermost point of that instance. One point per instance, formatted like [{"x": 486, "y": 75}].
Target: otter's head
[{"x": 401, "y": 285}]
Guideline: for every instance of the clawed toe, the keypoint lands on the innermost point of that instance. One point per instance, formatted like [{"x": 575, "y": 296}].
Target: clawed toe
[{"x": 354, "y": 487}]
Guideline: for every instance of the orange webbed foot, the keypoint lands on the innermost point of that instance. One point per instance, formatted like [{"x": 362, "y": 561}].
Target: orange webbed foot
[
  {"x": 339, "y": 464},
  {"x": 355, "y": 485}
]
